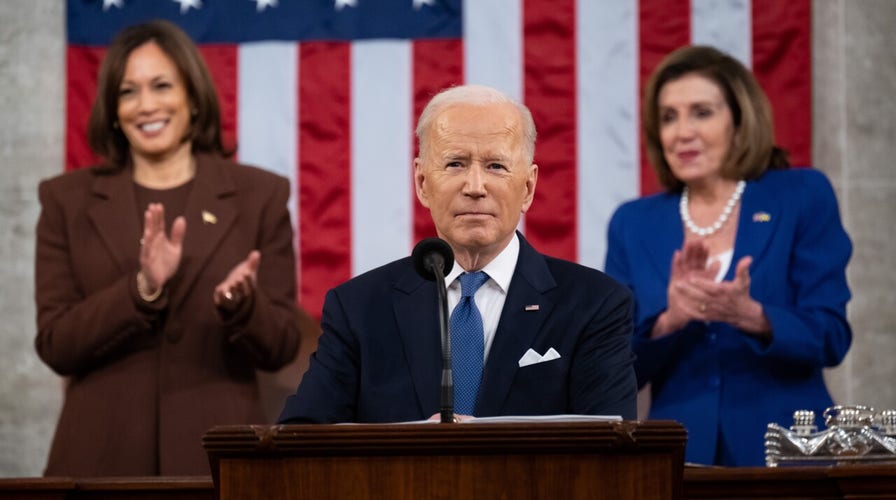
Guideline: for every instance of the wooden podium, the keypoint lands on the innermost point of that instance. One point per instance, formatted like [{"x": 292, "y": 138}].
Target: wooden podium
[{"x": 595, "y": 460}]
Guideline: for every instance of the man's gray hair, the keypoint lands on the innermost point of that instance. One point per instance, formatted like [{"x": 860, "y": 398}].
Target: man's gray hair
[{"x": 476, "y": 95}]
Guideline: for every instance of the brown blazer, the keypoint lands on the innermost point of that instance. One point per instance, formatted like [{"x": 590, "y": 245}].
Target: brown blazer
[{"x": 145, "y": 381}]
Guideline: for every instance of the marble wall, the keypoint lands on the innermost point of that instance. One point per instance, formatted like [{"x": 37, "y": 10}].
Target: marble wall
[
  {"x": 854, "y": 72},
  {"x": 32, "y": 98},
  {"x": 854, "y": 122}
]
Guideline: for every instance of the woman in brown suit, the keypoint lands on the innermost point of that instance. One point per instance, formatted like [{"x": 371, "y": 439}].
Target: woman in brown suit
[{"x": 159, "y": 331}]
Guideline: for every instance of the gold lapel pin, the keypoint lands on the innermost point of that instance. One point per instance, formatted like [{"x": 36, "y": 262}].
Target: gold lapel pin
[
  {"x": 762, "y": 217},
  {"x": 208, "y": 217}
]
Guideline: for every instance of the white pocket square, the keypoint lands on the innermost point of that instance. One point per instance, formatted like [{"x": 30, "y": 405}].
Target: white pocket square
[{"x": 531, "y": 357}]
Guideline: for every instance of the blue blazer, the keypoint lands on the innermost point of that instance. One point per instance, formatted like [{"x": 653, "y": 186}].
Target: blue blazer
[
  {"x": 712, "y": 378},
  {"x": 379, "y": 356}
]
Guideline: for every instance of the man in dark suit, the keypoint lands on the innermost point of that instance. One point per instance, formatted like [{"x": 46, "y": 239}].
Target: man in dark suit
[{"x": 553, "y": 336}]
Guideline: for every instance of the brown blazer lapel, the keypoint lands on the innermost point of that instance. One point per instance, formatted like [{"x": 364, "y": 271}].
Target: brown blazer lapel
[
  {"x": 210, "y": 213},
  {"x": 113, "y": 212}
]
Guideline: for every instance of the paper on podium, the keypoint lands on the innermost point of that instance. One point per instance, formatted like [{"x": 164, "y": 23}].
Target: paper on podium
[
  {"x": 542, "y": 418},
  {"x": 503, "y": 419}
]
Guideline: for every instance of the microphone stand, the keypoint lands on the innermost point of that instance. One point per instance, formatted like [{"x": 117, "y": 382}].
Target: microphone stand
[
  {"x": 447, "y": 399},
  {"x": 433, "y": 258}
]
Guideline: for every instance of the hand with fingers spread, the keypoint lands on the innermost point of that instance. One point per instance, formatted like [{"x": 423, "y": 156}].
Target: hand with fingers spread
[
  {"x": 240, "y": 283},
  {"x": 703, "y": 346},
  {"x": 160, "y": 254},
  {"x": 137, "y": 334}
]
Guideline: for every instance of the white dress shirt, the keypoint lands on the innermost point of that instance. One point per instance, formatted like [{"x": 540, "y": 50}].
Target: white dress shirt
[{"x": 491, "y": 295}]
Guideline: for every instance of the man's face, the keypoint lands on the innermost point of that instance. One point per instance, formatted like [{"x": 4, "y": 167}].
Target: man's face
[{"x": 473, "y": 176}]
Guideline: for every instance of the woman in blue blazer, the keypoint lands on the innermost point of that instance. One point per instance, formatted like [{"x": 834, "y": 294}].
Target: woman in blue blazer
[{"x": 739, "y": 268}]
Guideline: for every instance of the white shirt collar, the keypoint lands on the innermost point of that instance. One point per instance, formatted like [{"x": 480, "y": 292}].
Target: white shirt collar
[{"x": 500, "y": 269}]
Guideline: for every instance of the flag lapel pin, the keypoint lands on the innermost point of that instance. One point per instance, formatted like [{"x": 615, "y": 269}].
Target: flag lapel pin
[
  {"x": 531, "y": 307},
  {"x": 762, "y": 217}
]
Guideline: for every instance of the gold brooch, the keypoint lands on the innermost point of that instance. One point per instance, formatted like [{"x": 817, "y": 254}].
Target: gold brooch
[{"x": 208, "y": 217}]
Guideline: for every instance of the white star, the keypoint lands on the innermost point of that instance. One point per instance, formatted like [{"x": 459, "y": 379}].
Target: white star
[
  {"x": 420, "y": 3},
  {"x": 186, "y": 4},
  {"x": 345, "y": 3},
  {"x": 110, "y": 3},
  {"x": 264, "y": 3}
]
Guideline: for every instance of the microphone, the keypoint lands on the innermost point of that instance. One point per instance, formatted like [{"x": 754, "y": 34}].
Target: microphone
[
  {"x": 431, "y": 254},
  {"x": 433, "y": 259}
]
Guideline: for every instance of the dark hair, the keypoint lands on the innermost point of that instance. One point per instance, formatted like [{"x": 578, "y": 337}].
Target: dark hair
[
  {"x": 752, "y": 151},
  {"x": 106, "y": 138}
]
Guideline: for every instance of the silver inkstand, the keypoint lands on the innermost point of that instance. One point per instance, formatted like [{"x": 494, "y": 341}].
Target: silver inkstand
[{"x": 853, "y": 434}]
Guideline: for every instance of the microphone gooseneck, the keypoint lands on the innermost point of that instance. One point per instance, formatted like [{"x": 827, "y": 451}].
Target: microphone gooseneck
[{"x": 433, "y": 259}]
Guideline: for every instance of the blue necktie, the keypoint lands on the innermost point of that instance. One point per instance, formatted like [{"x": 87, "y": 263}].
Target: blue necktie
[{"x": 467, "y": 344}]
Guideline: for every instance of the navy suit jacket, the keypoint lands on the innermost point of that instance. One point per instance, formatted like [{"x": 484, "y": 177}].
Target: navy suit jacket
[
  {"x": 379, "y": 356},
  {"x": 711, "y": 377}
]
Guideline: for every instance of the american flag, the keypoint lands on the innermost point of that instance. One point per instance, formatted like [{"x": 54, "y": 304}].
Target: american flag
[{"x": 326, "y": 93}]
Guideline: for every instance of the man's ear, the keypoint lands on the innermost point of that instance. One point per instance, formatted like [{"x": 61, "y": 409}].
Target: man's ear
[
  {"x": 531, "y": 181},
  {"x": 420, "y": 182}
]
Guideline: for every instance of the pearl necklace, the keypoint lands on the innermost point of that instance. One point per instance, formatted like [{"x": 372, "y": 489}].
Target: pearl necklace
[{"x": 706, "y": 231}]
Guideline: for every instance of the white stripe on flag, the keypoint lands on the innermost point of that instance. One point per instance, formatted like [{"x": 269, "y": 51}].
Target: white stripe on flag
[
  {"x": 493, "y": 45},
  {"x": 493, "y": 48},
  {"x": 724, "y": 24},
  {"x": 607, "y": 85},
  {"x": 381, "y": 153},
  {"x": 267, "y": 114}
]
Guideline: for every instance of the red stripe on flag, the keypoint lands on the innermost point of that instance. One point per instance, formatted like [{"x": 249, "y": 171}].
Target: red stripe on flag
[
  {"x": 82, "y": 64},
  {"x": 664, "y": 26},
  {"x": 438, "y": 64},
  {"x": 223, "y": 64},
  {"x": 782, "y": 44},
  {"x": 324, "y": 169},
  {"x": 549, "y": 52}
]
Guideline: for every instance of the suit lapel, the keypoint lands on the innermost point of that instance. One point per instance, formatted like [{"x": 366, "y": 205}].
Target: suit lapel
[
  {"x": 760, "y": 214},
  {"x": 517, "y": 327},
  {"x": 665, "y": 236},
  {"x": 114, "y": 214},
  {"x": 415, "y": 303},
  {"x": 210, "y": 213}
]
